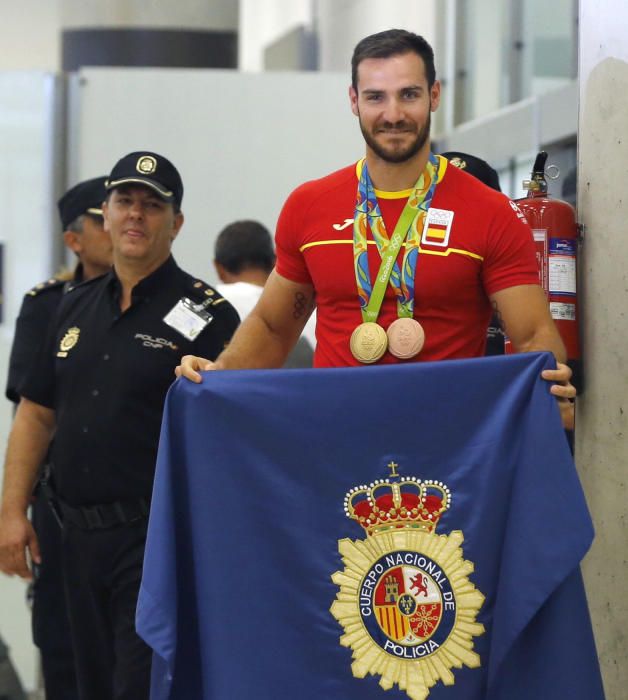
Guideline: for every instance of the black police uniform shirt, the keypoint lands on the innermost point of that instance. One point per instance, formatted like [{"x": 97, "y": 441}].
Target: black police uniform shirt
[
  {"x": 495, "y": 339},
  {"x": 106, "y": 373},
  {"x": 38, "y": 308}
]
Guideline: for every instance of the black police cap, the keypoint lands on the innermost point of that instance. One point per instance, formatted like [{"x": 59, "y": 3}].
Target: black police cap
[
  {"x": 85, "y": 198},
  {"x": 474, "y": 166},
  {"x": 150, "y": 169}
]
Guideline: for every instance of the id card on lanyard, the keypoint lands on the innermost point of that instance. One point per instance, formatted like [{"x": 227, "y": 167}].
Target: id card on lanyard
[{"x": 188, "y": 318}]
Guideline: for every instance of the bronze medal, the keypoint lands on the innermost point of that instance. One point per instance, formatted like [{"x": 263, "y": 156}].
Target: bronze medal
[
  {"x": 405, "y": 338},
  {"x": 368, "y": 342}
]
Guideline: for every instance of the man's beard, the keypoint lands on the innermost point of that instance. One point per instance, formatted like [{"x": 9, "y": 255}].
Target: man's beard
[{"x": 392, "y": 154}]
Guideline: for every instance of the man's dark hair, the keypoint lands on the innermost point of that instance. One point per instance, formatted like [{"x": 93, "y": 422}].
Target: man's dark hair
[
  {"x": 393, "y": 42},
  {"x": 244, "y": 245}
]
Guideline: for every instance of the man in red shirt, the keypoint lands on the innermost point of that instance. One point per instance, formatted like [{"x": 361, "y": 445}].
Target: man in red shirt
[{"x": 403, "y": 257}]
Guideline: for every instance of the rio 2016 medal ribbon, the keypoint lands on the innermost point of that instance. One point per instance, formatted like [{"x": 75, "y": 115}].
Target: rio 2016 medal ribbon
[
  {"x": 405, "y": 338},
  {"x": 406, "y": 334},
  {"x": 368, "y": 342}
]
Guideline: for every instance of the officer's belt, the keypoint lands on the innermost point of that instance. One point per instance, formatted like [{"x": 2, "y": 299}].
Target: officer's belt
[{"x": 104, "y": 515}]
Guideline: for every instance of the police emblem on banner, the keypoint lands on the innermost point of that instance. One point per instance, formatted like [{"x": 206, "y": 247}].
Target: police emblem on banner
[
  {"x": 405, "y": 602},
  {"x": 69, "y": 340}
]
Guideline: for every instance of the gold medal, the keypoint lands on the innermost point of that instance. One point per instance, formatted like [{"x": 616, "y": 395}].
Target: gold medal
[
  {"x": 405, "y": 338},
  {"x": 368, "y": 343}
]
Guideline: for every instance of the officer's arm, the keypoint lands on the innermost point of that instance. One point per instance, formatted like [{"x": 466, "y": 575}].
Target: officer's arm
[
  {"x": 30, "y": 436},
  {"x": 266, "y": 336}
]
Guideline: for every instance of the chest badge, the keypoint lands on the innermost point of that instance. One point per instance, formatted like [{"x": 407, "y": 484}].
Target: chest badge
[
  {"x": 69, "y": 340},
  {"x": 437, "y": 227}
]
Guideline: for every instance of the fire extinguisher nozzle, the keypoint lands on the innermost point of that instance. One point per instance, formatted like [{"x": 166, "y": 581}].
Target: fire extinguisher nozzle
[{"x": 539, "y": 164}]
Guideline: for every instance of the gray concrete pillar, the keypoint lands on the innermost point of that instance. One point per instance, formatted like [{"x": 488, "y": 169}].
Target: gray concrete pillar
[
  {"x": 602, "y": 412},
  {"x": 185, "y": 34}
]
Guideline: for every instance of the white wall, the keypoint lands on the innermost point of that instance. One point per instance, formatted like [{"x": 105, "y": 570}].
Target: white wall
[
  {"x": 27, "y": 193},
  {"x": 29, "y": 35},
  {"x": 261, "y": 22},
  {"x": 242, "y": 142},
  {"x": 28, "y": 226}
]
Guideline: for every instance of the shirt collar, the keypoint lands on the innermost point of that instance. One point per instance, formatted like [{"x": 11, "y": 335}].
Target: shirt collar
[
  {"x": 401, "y": 194},
  {"x": 78, "y": 276},
  {"x": 148, "y": 285}
]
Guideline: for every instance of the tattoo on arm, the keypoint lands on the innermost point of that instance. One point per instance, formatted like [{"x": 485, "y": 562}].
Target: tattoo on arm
[
  {"x": 302, "y": 305},
  {"x": 498, "y": 316}
]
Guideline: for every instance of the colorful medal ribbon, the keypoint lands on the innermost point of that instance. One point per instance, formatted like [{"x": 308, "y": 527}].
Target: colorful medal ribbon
[{"x": 408, "y": 228}]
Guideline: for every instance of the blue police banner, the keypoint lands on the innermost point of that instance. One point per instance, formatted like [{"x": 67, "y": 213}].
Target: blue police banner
[{"x": 377, "y": 533}]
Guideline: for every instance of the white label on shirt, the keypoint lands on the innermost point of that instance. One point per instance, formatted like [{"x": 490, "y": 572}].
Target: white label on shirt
[
  {"x": 437, "y": 227},
  {"x": 186, "y": 319}
]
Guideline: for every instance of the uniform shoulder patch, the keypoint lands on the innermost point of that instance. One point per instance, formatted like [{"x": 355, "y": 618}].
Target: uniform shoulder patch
[
  {"x": 201, "y": 292},
  {"x": 52, "y": 283},
  {"x": 72, "y": 285}
]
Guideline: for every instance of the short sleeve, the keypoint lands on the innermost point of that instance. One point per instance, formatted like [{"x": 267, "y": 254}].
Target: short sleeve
[
  {"x": 38, "y": 383},
  {"x": 216, "y": 336},
  {"x": 31, "y": 327},
  {"x": 288, "y": 240},
  {"x": 510, "y": 259}
]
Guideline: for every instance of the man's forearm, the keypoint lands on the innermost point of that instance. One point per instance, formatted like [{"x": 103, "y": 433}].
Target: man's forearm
[
  {"x": 524, "y": 316},
  {"x": 546, "y": 338},
  {"x": 28, "y": 443},
  {"x": 255, "y": 346}
]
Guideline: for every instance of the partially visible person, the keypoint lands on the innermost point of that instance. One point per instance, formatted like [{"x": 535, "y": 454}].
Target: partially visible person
[
  {"x": 481, "y": 170},
  {"x": 569, "y": 191},
  {"x": 80, "y": 211},
  {"x": 495, "y": 338},
  {"x": 404, "y": 257},
  {"x": 244, "y": 257},
  {"x": 98, "y": 388},
  {"x": 10, "y": 686},
  {"x": 475, "y": 166}
]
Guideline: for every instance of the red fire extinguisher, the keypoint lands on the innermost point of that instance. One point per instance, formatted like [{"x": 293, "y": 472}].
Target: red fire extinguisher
[{"x": 555, "y": 231}]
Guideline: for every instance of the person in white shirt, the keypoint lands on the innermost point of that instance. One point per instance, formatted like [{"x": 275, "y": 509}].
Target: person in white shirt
[{"x": 244, "y": 257}]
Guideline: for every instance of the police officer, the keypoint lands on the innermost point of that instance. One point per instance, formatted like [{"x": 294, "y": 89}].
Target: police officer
[
  {"x": 80, "y": 210},
  {"x": 10, "y": 686},
  {"x": 100, "y": 385}
]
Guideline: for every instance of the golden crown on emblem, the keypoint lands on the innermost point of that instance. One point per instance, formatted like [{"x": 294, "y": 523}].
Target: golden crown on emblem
[{"x": 388, "y": 504}]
